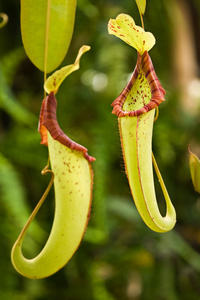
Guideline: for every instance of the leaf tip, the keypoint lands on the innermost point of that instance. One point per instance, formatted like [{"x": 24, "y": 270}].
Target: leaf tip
[
  {"x": 141, "y": 4},
  {"x": 54, "y": 81}
]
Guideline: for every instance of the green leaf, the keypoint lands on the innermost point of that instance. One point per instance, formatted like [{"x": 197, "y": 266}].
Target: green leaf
[
  {"x": 141, "y": 5},
  {"x": 195, "y": 171},
  {"x": 54, "y": 81},
  {"x": 124, "y": 28},
  {"x": 47, "y": 27}
]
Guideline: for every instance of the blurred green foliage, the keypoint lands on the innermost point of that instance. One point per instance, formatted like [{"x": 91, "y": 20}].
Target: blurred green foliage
[{"x": 119, "y": 258}]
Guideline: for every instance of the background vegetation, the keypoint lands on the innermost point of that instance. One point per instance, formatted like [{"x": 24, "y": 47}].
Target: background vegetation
[{"x": 119, "y": 258}]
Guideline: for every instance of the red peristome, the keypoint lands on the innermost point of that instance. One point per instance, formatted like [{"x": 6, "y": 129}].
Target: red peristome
[
  {"x": 144, "y": 63},
  {"x": 48, "y": 120}
]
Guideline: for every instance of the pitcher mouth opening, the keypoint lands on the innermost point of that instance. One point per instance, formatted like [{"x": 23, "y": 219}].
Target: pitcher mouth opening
[{"x": 144, "y": 65}]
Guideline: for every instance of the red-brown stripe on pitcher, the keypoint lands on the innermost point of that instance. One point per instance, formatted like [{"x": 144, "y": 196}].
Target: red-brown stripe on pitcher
[
  {"x": 144, "y": 63},
  {"x": 49, "y": 121}
]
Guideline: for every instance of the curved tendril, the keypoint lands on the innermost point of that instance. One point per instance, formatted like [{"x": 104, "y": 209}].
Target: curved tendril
[
  {"x": 4, "y": 20},
  {"x": 157, "y": 114},
  {"x": 161, "y": 181},
  {"x": 45, "y": 171}
]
